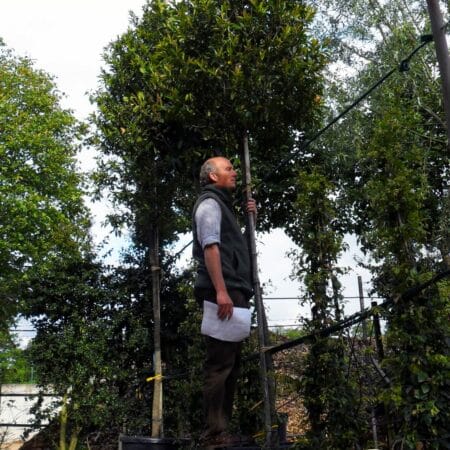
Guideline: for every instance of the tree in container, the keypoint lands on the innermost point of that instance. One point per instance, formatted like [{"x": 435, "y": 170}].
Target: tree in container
[
  {"x": 396, "y": 184},
  {"x": 328, "y": 389},
  {"x": 401, "y": 209},
  {"x": 193, "y": 78}
]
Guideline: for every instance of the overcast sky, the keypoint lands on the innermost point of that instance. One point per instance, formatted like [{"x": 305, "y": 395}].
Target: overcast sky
[{"x": 66, "y": 38}]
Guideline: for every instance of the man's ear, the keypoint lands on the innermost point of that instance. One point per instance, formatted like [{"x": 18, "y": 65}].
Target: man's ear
[{"x": 213, "y": 177}]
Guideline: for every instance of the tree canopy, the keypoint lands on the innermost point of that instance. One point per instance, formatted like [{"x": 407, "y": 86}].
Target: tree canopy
[
  {"x": 187, "y": 81},
  {"x": 42, "y": 215}
]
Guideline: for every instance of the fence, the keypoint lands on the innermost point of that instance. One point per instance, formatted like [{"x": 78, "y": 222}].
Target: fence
[
  {"x": 362, "y": 333},
  {"x": 16, "y": 400}
]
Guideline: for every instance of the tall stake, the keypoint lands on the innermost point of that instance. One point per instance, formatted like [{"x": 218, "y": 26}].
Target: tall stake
[
  {"x": 373, "y": 418},
  {"x": 362, "y": 306},
  {"x": 440, "y": 42},
  {"x": 266, "y": 363},
  {"x": 157, "y": 411}
]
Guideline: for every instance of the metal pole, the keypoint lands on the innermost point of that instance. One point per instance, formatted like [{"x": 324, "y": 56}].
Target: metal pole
[
  {"x": 365, "y": 334},
  {"x": 380, "y": 352},
  {"x": 440, "y": 42},
  {"x": 377, "y": 330},
  {"x": 374, "y": 428},
  {"x": 263, "y": 335},
  {"x": 362, "y": 306}
]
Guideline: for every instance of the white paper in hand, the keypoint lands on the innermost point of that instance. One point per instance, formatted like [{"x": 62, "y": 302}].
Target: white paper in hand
[{"x": 235, "y": 329}]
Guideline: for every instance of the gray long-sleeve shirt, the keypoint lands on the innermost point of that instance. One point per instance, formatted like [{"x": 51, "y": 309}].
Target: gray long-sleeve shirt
[{"x": 208, "y": 218}]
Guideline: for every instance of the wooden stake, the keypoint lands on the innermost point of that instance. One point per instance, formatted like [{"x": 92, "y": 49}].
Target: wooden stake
[
  {"x": 157, "y": 409},
  {"x": 266, "y": 363}
]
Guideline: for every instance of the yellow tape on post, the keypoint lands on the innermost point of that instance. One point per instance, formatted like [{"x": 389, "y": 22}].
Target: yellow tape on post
[{"x": 156, "y": 377}]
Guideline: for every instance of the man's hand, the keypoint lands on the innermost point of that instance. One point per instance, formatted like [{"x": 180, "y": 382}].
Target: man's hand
[
  {"x": 225, "y": 304},
  {"x": 251, "y": 206}
]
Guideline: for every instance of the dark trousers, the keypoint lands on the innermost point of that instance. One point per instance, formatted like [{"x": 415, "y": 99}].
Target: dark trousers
[{"x": 221, "y": 372}]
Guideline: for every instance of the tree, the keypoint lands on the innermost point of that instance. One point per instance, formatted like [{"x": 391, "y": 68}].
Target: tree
[
  {"x": 42, "y": 215},
  {"x": 91, "y": 347},
  {"x": 328, "y": 391},
  {"x": 393, "y": 176},
  {"x": 14, "y": 364},
  {"x": 193, "y": 78},
  {"x": 402, "y": 175}
]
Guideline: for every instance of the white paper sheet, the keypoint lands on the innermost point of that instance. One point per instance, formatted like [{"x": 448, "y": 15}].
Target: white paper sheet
[{"x": 235, "y": 329}]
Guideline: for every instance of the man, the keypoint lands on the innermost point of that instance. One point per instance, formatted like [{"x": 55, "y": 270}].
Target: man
[{"x": 223, "y": 277}]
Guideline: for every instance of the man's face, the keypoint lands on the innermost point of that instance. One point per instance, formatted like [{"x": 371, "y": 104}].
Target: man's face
[{"x": 224, "y": 176}]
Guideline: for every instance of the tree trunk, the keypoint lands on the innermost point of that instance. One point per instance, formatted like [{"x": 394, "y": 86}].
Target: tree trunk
[
  {"x": 63, "y": 424},
  {"x": 74, "y": 438},
  {"x": 157, "y": 410}
]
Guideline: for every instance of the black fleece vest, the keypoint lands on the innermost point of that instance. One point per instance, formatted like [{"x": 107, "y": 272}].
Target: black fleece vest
[{"x": 236, "y": 266}]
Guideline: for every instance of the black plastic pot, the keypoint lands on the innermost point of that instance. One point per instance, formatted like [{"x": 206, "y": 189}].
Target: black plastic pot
[
  {"x": 285, "y": 445},
  {"x": 148, "y": 443}
]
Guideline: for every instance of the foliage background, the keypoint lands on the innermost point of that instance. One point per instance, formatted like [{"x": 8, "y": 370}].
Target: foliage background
[{"x": 382, "y": 175}]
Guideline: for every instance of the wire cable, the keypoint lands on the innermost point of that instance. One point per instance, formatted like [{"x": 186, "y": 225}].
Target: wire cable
[
  {"x": 402, "y": 67},
  {"x": 354, "y": 318}
]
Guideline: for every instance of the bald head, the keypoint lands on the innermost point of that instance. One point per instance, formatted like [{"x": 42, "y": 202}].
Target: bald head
[
  {"x": 207, "y": 167},
  {"x": 218, "y": 171}
]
